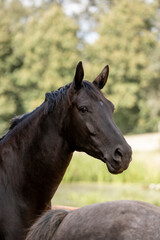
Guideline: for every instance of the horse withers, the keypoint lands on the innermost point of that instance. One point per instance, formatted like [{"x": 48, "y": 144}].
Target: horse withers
[{"x": 37, "y": 149}]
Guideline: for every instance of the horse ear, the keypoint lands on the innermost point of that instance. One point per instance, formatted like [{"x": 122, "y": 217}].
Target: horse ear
[
  {"x": 79, "y": 74},
  {"x": 101, "y": 79}
]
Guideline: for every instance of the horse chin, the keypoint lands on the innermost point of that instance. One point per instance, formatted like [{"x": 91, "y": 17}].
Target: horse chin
[{"x": 112, "y": 170}]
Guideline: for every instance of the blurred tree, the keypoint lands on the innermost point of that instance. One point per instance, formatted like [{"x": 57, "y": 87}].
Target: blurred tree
[
  {"x": 37, "y": 54},
  {"x": 12, "y": 15},
  {"x": 126, "y": 43},
  {"x": 87, "y": 14},
  {"x": 153, "y": 87},
  {"x": 50, "y": 54}
]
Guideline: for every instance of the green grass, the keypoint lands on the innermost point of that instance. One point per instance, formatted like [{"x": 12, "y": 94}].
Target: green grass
[
  {"x": 81, "y": 194},
  {"x": 88, "y": 181},
  {"x": 144, "y": 168}
]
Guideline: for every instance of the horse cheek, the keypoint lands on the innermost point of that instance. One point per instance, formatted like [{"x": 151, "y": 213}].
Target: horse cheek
[{"x": 91, "y": 128}]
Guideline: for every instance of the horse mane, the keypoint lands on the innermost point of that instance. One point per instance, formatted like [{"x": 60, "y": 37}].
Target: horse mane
[
  {"x": 47, "y": 225},
  {"x": 52, "y": 99},
  {"x": 15, "y": 121}
]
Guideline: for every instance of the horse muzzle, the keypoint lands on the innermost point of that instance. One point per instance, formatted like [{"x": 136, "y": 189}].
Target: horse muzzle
[{"x": 118, "y": 162}]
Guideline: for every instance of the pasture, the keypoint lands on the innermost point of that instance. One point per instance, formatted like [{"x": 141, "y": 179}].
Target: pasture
[{"x": 87, "y": 181}]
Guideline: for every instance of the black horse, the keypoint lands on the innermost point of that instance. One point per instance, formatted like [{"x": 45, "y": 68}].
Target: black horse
[{"x": 37, "y": 149}]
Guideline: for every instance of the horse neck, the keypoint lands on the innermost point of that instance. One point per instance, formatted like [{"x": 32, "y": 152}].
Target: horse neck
[{"x": 42, "y": 157}]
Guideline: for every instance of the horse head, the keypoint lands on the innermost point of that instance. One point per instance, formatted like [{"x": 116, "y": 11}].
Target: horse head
[{"x": 90, "y": 125}]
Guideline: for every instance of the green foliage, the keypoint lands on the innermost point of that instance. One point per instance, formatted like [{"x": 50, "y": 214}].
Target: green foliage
[
  {"x": 39, "y": 50},
  {"x": 50, "y": 54},
  {"x": 37, "y": 54},
  {"x": 10, "y": 60},
  {"x": 126, "y": 42},
  {"x": 50, "y": 47}
]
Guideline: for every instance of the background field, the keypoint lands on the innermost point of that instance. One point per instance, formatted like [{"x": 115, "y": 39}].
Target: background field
[
  {"x": 81, "y": 194},
  {"x": 88, "y": 181},
  {"x": 144, "y": 168}
]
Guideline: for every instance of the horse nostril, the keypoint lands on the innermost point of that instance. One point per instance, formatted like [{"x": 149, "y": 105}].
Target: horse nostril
[{"x": 118, "y": 155}]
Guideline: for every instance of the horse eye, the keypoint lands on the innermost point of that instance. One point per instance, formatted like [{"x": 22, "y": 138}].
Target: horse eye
[{"x": 83, "y": 109}]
